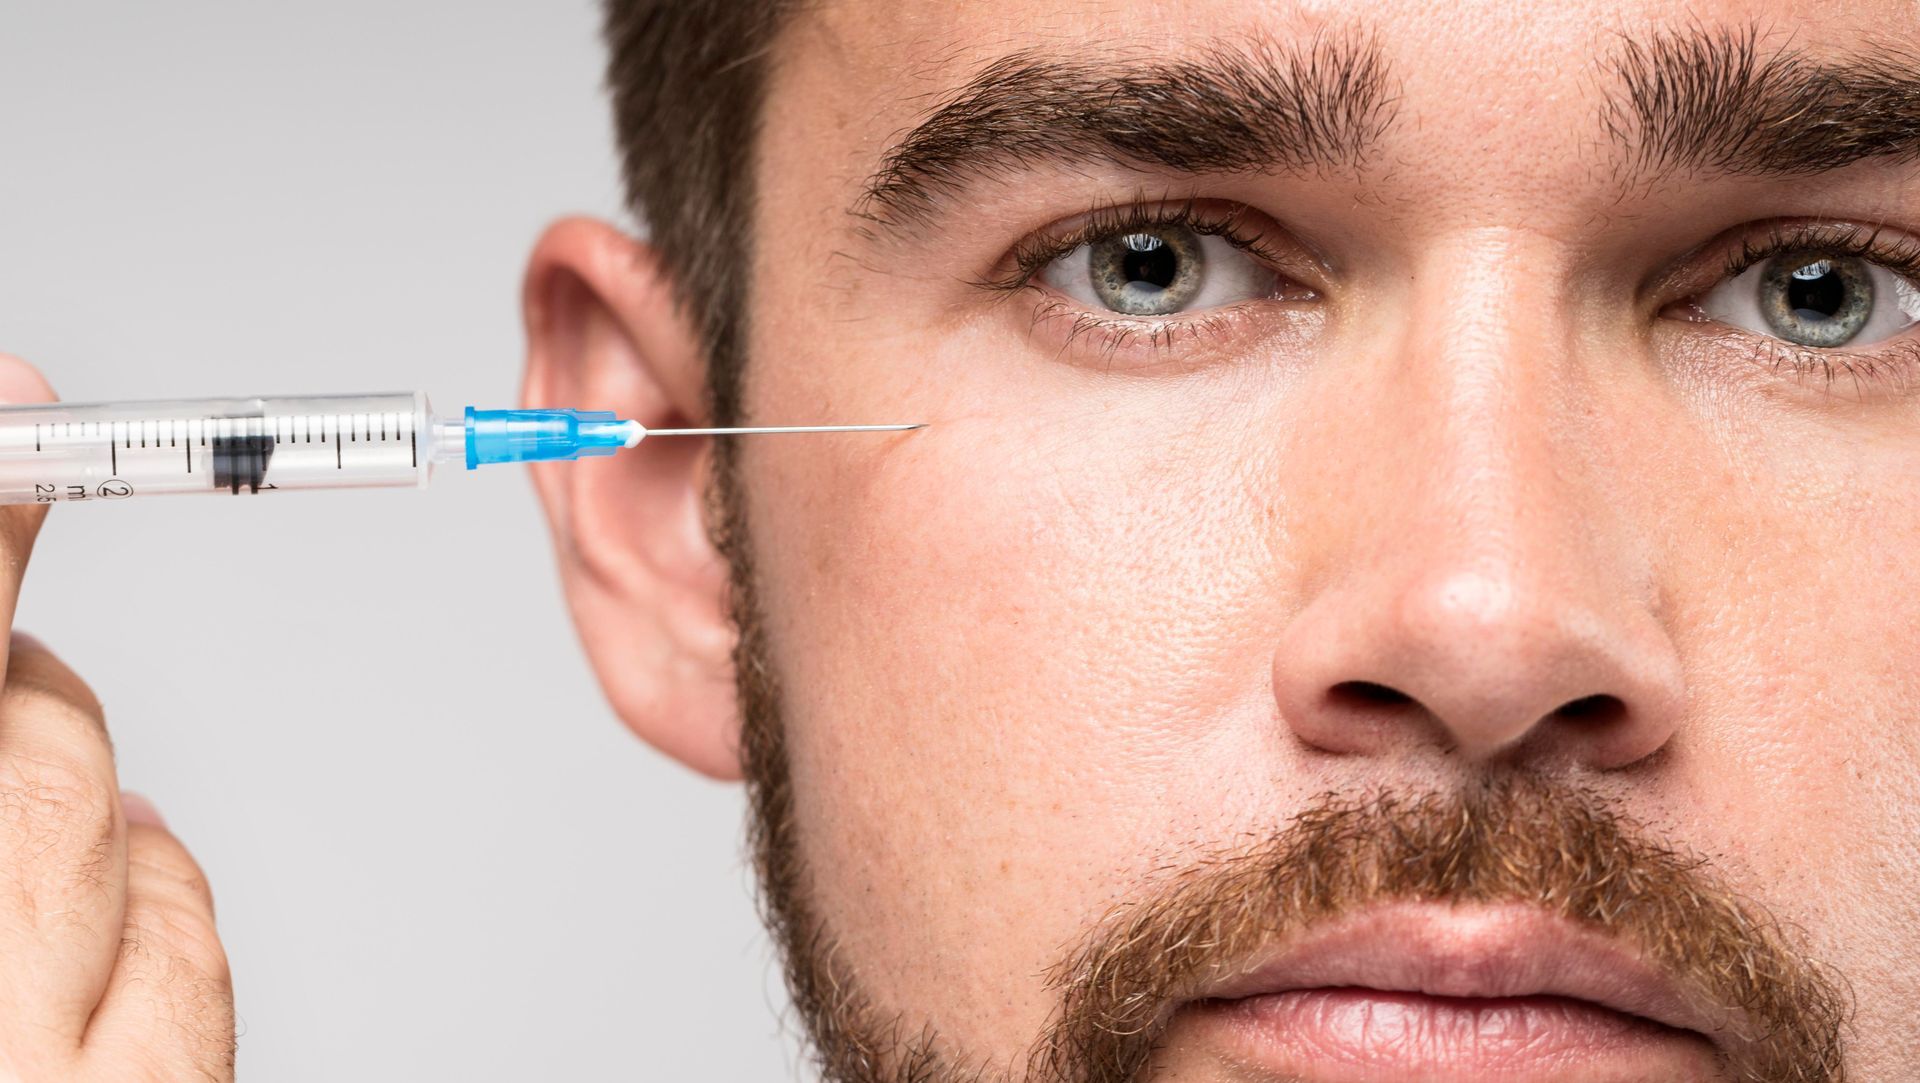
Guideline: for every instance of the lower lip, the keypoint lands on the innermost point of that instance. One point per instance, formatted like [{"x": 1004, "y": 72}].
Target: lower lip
[{"x": 1376, "y": 1036}]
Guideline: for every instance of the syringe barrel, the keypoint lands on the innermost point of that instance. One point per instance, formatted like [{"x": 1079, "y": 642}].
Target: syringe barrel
[{"x": 85, "y": 452}]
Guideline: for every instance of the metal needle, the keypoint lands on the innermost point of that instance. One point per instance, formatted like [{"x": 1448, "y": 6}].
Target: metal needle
[{"x": 783, "y": 428}]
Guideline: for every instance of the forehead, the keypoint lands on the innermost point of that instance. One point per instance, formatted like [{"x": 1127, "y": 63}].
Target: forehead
[{"x": 934, "y": 43}]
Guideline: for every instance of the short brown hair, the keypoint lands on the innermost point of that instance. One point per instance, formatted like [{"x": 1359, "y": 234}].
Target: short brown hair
[{"x": 686, "y": 78}]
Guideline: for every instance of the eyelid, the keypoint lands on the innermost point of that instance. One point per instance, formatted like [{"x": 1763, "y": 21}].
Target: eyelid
[
  {"x": 1884, "y": 368},
  {"x": 1734, "y": 253},
  {"x": 1177, "y": 342},
  {"x": 1163, "y": 346},
  {"x": 1737, "y": 250},
  {"x": 1890, "y": 369},
  {"x": 1899, "y": 254}
]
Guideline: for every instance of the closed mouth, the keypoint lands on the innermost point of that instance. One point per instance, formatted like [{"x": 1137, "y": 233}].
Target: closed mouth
[{"x": 1411, "y": 991}]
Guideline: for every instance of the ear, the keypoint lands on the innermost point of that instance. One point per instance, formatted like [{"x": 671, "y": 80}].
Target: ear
[{"x": 642, "y": 577}]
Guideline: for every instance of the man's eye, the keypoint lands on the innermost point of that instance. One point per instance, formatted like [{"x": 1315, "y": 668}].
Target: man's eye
[
  {"x": 1159, "y": 271},
  {"x": 1816, "y": 299}
]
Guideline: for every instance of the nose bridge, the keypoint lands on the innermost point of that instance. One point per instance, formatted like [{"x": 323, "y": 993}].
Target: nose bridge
[
  {"x": 1487, "y": 366},
  {"x": 1475, "y": 578}
]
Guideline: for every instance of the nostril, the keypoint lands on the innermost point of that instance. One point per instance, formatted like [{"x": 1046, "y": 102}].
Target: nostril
[
  {"x": 1593, "y": 710},
  {"x": 1366, "y": 694}
]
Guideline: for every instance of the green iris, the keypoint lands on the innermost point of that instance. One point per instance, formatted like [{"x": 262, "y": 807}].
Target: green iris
[
  {"x": 1147, "y": 274},
  {"x": 1817, "y": 300}
]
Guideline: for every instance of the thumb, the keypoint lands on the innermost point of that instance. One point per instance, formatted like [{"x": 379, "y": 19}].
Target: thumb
[{"x": 20, "y": 384}]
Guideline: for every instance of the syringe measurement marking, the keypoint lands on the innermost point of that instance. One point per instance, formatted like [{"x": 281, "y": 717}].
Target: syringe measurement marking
[{"x": 392, "y": 427}]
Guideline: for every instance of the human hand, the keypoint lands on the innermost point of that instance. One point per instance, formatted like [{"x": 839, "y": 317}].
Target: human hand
[{"x": 110, "y": 968}]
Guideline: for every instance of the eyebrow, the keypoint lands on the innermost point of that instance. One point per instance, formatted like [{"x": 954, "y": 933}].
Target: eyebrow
[
  {"x": 1227, "y": 109},
  {"x": 1717, "y": 101}
]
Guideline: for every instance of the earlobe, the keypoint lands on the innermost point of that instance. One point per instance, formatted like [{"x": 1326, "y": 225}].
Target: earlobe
[{"x": 642, "y": 578}]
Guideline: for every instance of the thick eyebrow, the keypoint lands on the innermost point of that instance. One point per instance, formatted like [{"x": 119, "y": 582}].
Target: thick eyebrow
[
  {"x": 1718, "y": 101},
  {"x": 1226, "y": 109}
]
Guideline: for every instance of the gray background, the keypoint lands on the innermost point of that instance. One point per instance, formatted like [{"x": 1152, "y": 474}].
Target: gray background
[{"x": 437, "y": 854}]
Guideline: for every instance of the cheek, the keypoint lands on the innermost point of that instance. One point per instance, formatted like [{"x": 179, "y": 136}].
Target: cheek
[
  {"x": 1801, "y": 754},
  {"x": 997, "y": 591},
  {"x": 1006, "y": 642},
  {"x": 1038, "y": 539}
]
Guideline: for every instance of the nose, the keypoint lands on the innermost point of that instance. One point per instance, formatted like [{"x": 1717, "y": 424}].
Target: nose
[
  {"x": 1485, "y": 661},
  {"x": 1471, "y": 591}
]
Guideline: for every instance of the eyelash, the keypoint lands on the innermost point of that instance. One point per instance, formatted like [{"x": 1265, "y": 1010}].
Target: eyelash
[
  {"x": 1035, "y": 254},
  {"x": 1894, "y": 366},
  {"x": 1110, "y": 334},
  {"x": 1902, "y": 257}
]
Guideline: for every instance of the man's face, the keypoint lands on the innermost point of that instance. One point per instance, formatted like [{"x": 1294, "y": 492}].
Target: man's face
[{"x": 1488, "y": 430}]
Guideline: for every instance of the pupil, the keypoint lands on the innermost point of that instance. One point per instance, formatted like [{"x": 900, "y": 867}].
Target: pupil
[
  {"x": 1815, "y": 292},
  {"x": 1149, "y": 260}
]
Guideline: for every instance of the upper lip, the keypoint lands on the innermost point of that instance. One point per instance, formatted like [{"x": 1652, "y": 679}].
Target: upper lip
[{"x": 1506, "y": 950}]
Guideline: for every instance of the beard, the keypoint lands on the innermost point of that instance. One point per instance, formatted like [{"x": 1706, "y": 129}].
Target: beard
[{"x": 1511, "y": 837}]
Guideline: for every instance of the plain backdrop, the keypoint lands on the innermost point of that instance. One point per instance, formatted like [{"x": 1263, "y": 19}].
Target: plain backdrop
[{"x": 437, "y": 854}]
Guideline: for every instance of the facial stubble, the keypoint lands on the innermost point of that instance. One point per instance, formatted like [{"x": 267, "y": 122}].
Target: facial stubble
[{"x": 1507, "y": 838}]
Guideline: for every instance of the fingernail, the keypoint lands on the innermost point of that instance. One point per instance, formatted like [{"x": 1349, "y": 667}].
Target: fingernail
[
  {"x": 23, "y": 641},
  {"x": 139, "y": 810}
]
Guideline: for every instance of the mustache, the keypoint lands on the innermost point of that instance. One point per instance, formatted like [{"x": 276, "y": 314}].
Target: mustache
[{"x": 1519, "y": 839}]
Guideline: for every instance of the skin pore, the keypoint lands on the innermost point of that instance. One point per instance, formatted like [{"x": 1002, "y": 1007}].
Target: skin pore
[{"x": 1477, "y": 504}]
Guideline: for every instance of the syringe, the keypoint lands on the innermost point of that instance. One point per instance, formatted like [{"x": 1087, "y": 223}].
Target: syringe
[{"x": 70, "y": 453}]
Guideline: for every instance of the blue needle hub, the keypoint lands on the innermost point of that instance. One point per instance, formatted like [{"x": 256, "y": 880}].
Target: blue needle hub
[{"x": 529, "y": 436}]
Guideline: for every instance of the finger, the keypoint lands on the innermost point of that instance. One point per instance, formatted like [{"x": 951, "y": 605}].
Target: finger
[
  {"x": 62, "y": 845},
  {"x": 169, "y": 1001},
  {"x": 20, "y": 383}
]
